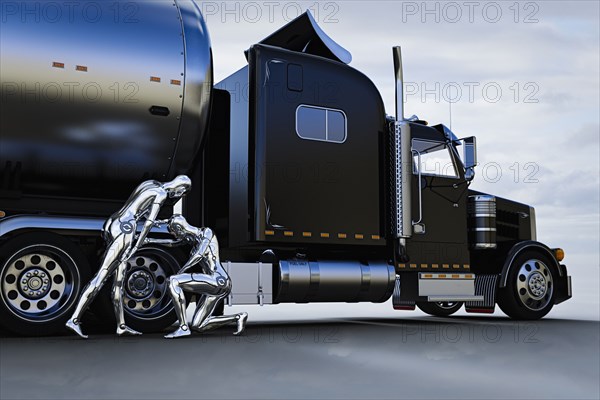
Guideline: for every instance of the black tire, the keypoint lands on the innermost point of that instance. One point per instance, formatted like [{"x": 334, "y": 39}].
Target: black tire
[
  {"x": 149, "y": 309},
  {"x": 219, "y": 309},
  {"x": 529, "y": 292},
  {"x": 440, "y": 309},
  {"x": 41, "y": 276}
]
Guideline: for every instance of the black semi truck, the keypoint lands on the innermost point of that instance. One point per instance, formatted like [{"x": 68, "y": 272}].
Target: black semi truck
[{"x": 316, "y": 194}]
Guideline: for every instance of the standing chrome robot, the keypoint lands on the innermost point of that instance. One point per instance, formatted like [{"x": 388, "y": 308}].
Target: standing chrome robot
[
  {"x": 119, "y": 232},
  {"x": 212, "y": 285}
]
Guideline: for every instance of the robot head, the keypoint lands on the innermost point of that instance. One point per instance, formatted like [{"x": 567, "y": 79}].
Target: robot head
[
  {"x": 179, "y": 227},
  {"x": 178, "y": 186}
]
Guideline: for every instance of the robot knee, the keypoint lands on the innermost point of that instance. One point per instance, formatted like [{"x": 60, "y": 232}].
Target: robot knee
[{"x": 173, "y": 282}]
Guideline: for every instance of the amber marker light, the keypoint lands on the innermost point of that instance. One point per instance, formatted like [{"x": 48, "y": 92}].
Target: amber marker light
[{"x": 559, "y": 254}]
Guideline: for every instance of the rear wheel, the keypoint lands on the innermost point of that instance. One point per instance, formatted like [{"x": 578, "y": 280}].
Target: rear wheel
[
  {"x": 529, "y": 291},
  {"x": 41, "y": 275},
  {"x": 441, "y": 308}
]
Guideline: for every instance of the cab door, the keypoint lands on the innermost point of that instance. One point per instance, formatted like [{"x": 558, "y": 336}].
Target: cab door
[{"x": 439, "y": 196}]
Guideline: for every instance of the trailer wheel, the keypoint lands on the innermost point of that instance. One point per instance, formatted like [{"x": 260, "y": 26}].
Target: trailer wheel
[
  {"x": 147, "y": 305},
  {"x": 440, "y": 309},
  {"x": 41, "y": 275},
  {"x": 529, "y": 291}
]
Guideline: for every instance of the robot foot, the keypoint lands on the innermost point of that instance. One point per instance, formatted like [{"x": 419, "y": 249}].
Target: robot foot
[
  {"x": 125, "y": 330},
  {"x": 180, "y": 332},
  {"x": 241, "y": 323},
  {"x": 74, "y": 326}
]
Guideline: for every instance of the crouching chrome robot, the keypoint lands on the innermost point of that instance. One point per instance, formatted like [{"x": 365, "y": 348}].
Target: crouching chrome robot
[{"x": 212, "y": 285}]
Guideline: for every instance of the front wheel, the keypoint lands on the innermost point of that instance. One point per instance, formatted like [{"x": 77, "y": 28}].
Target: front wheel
[
  {"x": 41, "y": 275},
  {"x": 529, "y": 291},
  {"x": 441, "y": 308}
]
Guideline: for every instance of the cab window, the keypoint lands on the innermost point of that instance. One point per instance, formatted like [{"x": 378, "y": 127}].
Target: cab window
[{"x": 435, "y": 159}]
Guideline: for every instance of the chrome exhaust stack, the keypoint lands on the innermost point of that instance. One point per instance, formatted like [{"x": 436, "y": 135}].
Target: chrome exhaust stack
[{"x": 403, "y": 160}]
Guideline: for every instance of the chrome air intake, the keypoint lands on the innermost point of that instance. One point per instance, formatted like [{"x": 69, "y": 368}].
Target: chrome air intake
[{"x": 482, "y": 221}]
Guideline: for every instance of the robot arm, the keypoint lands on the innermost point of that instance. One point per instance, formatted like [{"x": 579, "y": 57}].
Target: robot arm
[{"x": 194, "y": 259}]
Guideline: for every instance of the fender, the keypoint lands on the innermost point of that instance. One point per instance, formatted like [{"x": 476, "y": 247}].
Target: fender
[{"x": 520, "y": 247}]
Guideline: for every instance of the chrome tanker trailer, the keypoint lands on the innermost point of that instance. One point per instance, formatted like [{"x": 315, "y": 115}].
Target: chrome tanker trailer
[{"x": 315, "y": 193}]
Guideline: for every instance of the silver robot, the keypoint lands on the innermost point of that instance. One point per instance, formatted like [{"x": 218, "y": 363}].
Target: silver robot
[
  {"x": 119, "y": 232},
  {"x": 212, "y": 285}
]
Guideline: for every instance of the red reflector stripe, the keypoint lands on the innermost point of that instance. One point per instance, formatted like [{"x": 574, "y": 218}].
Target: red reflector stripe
[
  {"x": 480, "y": 310},
  {"x": 406, "y": 308}
]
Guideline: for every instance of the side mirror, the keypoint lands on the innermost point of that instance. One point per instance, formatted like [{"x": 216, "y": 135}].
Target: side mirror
[{"x": 470, "y": 157}]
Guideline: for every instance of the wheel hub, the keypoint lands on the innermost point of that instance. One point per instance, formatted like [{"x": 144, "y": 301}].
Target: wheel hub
[
  {"x": 534, "y": 285},
  {"x": 140, "y": 284},
  {"x": 35, "y": 283},
  {"x": 537, "y": 285},
  {"x": 146, "y": 282}
]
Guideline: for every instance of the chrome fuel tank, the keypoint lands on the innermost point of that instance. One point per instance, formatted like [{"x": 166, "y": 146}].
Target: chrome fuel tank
[
  {"x": 99, "y": 95},
  {"x": 301, "y": 281}
]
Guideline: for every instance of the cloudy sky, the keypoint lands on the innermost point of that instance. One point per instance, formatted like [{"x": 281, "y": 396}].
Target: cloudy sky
[{"x": 523, "y": 77}]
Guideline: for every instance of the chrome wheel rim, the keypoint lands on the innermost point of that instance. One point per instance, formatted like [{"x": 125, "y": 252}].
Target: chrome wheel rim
[
  {"x": 38, "y": 281},
  {"x": 534, "y": 285},
  {"x": 145, "y": 289}
]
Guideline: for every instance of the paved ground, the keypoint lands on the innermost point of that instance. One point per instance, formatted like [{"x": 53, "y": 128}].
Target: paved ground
[{"x": 408, "y": 356}]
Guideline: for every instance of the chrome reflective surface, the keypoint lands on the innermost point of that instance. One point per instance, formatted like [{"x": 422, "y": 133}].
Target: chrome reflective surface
[
  {"x": 145, "y": 284},
  {"x": 79, "y": 81},
  {"x": 123, "y": 241},
  {"x": 481, "y": 211},
  {"x": 211, "y": 285},
  {"x": 403, "y": 177},
  {"x": 534, "y": 284},
  {"x": 197, "y": 89},
  {"x": 303, "y": 281},
  {"x": 46, "y": 222},
  {"x": 38, "y": 281},
  {"x": 399, "y": 77},
  {"x": 52, "y": 222}
]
